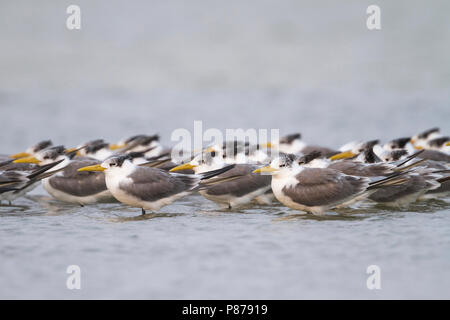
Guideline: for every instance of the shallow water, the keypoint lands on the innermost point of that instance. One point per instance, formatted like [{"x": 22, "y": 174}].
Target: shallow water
[
  {"x": 296, "y": 66},
  {"x": 193, "y": 250}
]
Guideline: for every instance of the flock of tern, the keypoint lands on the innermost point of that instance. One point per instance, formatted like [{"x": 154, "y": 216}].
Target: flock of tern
[{"x": 139, "y": 172}]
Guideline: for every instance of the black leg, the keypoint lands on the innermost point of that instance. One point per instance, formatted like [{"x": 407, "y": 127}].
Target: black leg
[
  {"x": 143, "y": 211},
  {"x": 9, "y": 202},
  {"x": 229, "y": 206}
]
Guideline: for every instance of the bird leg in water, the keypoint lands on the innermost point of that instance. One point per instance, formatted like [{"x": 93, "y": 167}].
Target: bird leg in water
[{"x": 143, "y": 211}]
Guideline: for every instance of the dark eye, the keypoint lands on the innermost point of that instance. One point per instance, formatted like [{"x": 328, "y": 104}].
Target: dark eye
[
  {"x": 46, "y": 157},
  {"x": 282, "y": 165}
]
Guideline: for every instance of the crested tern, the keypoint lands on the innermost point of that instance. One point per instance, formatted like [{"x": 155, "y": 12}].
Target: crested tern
[
  {"x": 237, "y": 186},
  {"x": 145, "y": 187},
  {"x": 68, "y": 184}
]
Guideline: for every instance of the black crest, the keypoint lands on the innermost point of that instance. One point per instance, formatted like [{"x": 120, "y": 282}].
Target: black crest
[
  {"x": 310, "y": 157},
  {"x": 370, "y": 156},
  {"x": 290, "y": 137},
  {"x": 53, "y": 152},
  {"x": 371, "y": 143},
  {"x": 287, "y": 159},
  {"x": 399, "y": 143},
  {"x": 119, "y": 160},
  {"x": 426, "y": 133},
  {"x": 397, "y": 154},
  {"x": 438, "y": 142},
  {"x": 94, "y": 146},
  {"x": 42, "y": 145},
  {"x": 134, "y": 138}
]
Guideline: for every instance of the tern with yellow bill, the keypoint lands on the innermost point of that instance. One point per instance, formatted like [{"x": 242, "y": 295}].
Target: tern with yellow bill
[
  {"x": 421, "y": 180},
  {"x": 148, "y": 188},
  {"x": 233, "y": 188},
  {"x": 316, "y": 190},
  {"x": 68, "y": 184},
  {"x": 15, "y": 184},
  {"x": 139, "y": 143},
  {"x": 420, "y": 140},
  {"x": 293, "y": 144},
  {"x": 31, "y": 151}
]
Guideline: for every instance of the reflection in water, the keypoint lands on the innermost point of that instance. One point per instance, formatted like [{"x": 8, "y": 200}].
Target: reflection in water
[
  {"x": 326, "y": 217},
  {"x": 7, "y": 209},
  {"x": 141, "y": 217}
]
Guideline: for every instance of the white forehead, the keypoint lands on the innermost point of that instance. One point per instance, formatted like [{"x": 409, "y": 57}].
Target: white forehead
[
  {"x": 197, "y": 159},
  {"x": 351, "y": 146},
  {"x": 275, "y": 162},
  {"x": 107, "y": 162}
]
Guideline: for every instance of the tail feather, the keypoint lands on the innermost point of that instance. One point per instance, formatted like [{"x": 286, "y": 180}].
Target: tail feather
[
  {"x": 409, "y": 158},
  {"x": 155, "y": 163},
  {"x": 394, "y": 179},
  {"x": 210, "y": 182},
  {"x": 4, "y": 163},
  {"x": 415, "y": 164},
  {"x": 213, "y": 173},
  {"x": 40, "y": 174},
  {"x": 442, "y": 180},
  {"x": 42, "y": 169},
  {"x": 6, "y": 189}
]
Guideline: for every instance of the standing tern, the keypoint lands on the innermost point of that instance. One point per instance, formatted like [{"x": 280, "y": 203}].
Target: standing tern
[
  {"x": 293, "y": 144},
  {"x": 316, "y": 190},
  {"x": 145, "y": 187},
  {"x": 68, "y": 184},
  {"x": 238, "y": 186}
]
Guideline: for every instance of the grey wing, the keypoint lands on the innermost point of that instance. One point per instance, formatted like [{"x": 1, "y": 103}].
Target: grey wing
[
  {"x": 12, "y": 176},
  {"x": 434, "y": 155},
  {"x": 431, "y": 164},
  {"x": 414, "y": 184},
  {"x": 19, "y": 166},
  {"x": 244, "y": 181},
  {"x": 152, "y": 184},
  {"x": 318, "y": 187},
  {"x": 80, "y": 184},
  {"x": 445, "y": 187},
  {"x": 360, "y": 169},
  {"x": 324, "y": 151}
]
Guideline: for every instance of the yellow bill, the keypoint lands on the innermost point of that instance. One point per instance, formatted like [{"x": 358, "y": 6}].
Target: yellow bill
[
  {"x": 20, "y": 155},
  {"x": 96, "y": 167},
  {"x": 418, "y": 147},
  {"x": 27, "y": 160},
  {"x": 447, "y": 144},
  {"x": 343, "y": 155},
  {"x": 265, "y": 169},
  {"x": 183, "y": 167},
  {"x": 77, "y": 150},
  {"x": 267, "y": 145},
  {"x": 116, "y": 146}
]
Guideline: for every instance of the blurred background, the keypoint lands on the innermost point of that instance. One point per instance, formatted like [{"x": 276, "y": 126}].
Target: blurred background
[{"x": 153, "y": 66}]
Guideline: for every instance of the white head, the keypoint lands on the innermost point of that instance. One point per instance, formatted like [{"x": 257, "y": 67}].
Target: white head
[
  {"x": 203, "y": 162},
  {"x": 282, "y": 166},
  {"x": 48, "y": 156}
]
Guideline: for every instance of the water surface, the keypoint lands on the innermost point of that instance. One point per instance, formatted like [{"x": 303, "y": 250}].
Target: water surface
[{"x": 152, "y": 67}]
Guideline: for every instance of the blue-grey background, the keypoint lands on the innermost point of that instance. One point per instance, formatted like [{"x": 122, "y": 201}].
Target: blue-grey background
[{"x": 154, "y": 66}]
